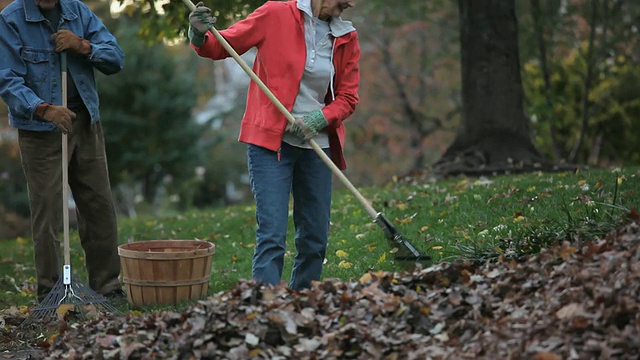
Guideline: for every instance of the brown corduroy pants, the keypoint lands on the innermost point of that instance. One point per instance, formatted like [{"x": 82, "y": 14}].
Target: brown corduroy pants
[{"x": 41, "y": 154}]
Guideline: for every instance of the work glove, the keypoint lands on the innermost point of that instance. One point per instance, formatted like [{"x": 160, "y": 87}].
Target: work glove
[
  {"x": 200, "y": 21},
  {"x": 308, "y": 126},
  {"x": 67, "y": 40},
  {"x": 59, "y": 115}
]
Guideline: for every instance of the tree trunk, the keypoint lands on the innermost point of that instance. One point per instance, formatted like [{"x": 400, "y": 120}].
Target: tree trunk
[{"x": 494, "y": 134}]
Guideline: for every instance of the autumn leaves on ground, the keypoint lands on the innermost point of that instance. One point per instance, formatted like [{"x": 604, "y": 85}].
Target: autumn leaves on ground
[
  {"x": 570, "y": 302},
  {"x": 575, "y": 300}
]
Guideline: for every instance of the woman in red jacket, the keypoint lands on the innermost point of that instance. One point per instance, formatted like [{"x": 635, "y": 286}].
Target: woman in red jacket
[{"x": 308, "y": 57}]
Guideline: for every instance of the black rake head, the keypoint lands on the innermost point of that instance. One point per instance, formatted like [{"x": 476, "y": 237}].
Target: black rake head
[{"x": 406, "y": 251}]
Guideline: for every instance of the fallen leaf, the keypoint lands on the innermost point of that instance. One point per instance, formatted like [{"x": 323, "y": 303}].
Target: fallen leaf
[
  {"x": 63, "y": 310},
  {"x": 546, "y": 356},
  {"x": 366, "y": 278},
  {"x": 566, "y": 251},
  {"x": 570, "y": 311},
  {"x": 251, "y": 339}
]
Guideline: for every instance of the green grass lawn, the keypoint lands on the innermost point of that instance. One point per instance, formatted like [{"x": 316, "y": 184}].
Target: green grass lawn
[{"x": 471, "y": 218}]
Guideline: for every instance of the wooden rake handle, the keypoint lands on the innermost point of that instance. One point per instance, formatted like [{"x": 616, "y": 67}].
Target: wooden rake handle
[
  {"x": 65, "y": 166},
  {"x": 334, "y": 169}
]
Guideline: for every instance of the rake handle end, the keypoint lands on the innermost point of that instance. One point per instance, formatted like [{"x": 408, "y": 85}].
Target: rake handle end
[{"x": 189, "y": 4}]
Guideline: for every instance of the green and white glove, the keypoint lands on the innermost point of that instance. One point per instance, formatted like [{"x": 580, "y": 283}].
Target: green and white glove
[
  {"x": 308, "y": 127},
  {"x": 200, "y": 21}
]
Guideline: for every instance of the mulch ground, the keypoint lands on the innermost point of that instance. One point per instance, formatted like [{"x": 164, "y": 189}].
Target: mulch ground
[{"x": 574, "y": 301}]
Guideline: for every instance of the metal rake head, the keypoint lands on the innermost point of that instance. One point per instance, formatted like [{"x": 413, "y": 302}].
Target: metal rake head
[{"x": 75, "y": 297}]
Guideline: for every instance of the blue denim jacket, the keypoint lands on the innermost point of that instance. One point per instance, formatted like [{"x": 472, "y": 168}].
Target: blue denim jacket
[{"x": 30, "y": 71}]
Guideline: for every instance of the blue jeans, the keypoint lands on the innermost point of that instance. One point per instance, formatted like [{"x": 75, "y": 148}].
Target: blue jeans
[{"x": 274, "y": 177}]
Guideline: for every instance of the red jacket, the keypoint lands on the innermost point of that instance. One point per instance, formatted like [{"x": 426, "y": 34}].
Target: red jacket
[{"x": 276, "y": 29}]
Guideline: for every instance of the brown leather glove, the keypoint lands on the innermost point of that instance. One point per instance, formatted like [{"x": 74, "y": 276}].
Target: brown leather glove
[
  {"x": 59, "y": 115},
  {"x": 67, "y": 40}
]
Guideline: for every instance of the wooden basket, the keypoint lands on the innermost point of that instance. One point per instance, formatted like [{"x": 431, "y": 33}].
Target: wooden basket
[{"x": 166, "y": 272}]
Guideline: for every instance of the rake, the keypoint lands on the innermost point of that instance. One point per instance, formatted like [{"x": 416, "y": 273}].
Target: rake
[
  {"x": 68, "y": 290},
  {"x": 406, "y": 251}
]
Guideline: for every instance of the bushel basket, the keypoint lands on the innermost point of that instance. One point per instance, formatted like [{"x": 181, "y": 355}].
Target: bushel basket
[{"x": 166, "y": 272}]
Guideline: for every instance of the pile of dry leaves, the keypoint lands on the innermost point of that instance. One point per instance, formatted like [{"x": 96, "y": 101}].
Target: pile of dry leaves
[{"x": 566, "y": 303}]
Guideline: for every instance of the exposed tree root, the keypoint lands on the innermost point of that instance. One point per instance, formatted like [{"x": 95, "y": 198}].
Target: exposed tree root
[{"x": 474, "y": 162}]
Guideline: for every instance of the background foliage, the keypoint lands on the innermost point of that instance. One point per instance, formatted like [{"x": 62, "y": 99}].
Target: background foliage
[
  {"x": 152, "y": 136},
  {"x": 579, "y": 68},
  {"x": 580, "y": 74}
]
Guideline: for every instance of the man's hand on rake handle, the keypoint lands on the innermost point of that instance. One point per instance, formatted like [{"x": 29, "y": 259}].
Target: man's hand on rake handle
[
  {"x": 67, "y": 40},
  {"x": 59, "y": 115}
]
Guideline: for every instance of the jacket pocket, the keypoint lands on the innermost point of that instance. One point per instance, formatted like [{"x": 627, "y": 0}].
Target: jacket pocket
[{"x": 37, "y": 63}]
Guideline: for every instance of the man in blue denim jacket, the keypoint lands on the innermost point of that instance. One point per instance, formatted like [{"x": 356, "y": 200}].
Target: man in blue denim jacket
[{"x": 33, "y": 34}]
